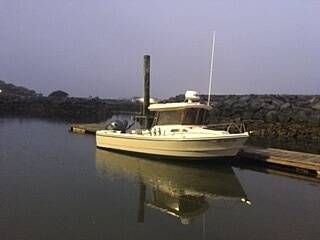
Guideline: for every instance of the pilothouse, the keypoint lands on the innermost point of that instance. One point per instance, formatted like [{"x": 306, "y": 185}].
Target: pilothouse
[{"x": 190, "y": 112}]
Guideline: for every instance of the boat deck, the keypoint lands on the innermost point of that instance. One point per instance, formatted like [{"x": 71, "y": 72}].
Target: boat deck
[{"x": 298, "y": 162}]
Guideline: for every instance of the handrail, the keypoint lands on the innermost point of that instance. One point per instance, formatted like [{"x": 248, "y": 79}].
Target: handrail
[{"x": 241, "y": 128}]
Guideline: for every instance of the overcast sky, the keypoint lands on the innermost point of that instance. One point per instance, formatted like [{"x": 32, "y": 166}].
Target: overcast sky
[{"x": 96, "y": 47}]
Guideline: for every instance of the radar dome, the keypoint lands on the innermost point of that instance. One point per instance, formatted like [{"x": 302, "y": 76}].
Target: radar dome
[{"x": 192, "y": 96}]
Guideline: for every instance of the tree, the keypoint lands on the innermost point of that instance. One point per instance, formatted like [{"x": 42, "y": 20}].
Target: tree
[{"x": 58, "y": 94}]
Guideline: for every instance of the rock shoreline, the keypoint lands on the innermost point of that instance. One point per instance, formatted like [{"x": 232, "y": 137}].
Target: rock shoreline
[{"x": 286, "y": 116}]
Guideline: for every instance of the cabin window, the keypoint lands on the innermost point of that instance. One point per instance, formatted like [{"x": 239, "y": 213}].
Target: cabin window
[
  {"x": 202, "y": 117},
  {"x": 194, "y": 116},
  {"x": 190, "y": 116}
]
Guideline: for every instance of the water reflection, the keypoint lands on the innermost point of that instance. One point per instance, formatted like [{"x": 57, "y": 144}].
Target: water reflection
[{"x": 179, "y": 189}]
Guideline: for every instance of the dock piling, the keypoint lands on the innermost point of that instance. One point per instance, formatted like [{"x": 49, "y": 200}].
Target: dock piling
[{"x": 146, "y": 95}]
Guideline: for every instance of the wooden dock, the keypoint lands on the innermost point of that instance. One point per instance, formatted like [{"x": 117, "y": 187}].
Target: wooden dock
[
  {"x": 297, "y": 162},
  {"x": 88, "y": 128}
]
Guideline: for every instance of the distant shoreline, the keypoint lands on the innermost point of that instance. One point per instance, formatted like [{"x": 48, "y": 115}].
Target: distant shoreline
[{"x": 68, "y": 109}]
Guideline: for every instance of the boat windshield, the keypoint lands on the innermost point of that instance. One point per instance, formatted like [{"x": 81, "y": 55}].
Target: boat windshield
[
  {"x": 169, "y": 118},
  {"x": 191, "y": 116}
]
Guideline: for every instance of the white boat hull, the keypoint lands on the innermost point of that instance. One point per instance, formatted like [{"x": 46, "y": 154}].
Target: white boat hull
[{"x": 172, "y": 147}]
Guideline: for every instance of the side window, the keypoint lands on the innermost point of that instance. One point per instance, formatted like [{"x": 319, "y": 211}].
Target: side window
[
  {"x": 202, "y": 117},
  {"x": 205, "y": 117}
]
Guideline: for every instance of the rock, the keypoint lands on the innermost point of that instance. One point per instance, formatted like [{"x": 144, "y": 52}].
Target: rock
[
  {"x": 271, "y": 116},
  {"x": 314, "y": 118},
  {"x": 315, "y": 99},
  {"x": 277, "y": 102},
  {"x": 300, "y": 116},
  {"x": 285, "y": 106},
  {"x": 316, "y": 106},
  {"x": 268, "y": 106},
  {"x": 244, "y": 98},
  {"x": 284, "y": 117},
  {"x": 247, "y": 115}
]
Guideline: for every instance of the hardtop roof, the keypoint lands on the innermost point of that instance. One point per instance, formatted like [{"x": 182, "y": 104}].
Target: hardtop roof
[{"x": 158, "y": 107}]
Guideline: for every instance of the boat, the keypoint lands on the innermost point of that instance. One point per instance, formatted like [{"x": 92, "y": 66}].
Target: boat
[
  {"x": 179, "y": 130},
  {"x": 179, "y": 189}
]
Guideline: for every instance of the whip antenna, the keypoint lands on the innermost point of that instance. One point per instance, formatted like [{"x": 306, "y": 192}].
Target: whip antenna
[{"x": 211, "y": 66}]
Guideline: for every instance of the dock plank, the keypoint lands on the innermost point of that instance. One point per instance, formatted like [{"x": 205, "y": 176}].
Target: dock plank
[{"x": 299, "y": 160}]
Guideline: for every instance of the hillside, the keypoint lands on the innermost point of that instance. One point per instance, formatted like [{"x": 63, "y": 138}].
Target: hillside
[{"x": 9, "y": 89}]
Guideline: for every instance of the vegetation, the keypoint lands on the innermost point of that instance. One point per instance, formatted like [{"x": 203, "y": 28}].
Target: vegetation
[{"x": 58, "y": 94}]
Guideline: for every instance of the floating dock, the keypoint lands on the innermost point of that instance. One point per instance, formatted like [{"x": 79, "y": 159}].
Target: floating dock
[
  {"x": 88, "y": 128},
  {"x": 297, "y": 162}
]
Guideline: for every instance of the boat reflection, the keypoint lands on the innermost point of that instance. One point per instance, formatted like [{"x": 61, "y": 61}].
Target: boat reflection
[{"x": 178, "y": 189}]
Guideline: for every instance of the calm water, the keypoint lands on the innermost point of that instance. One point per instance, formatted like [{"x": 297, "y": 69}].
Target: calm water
[{"x": 56, "y": 185}]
